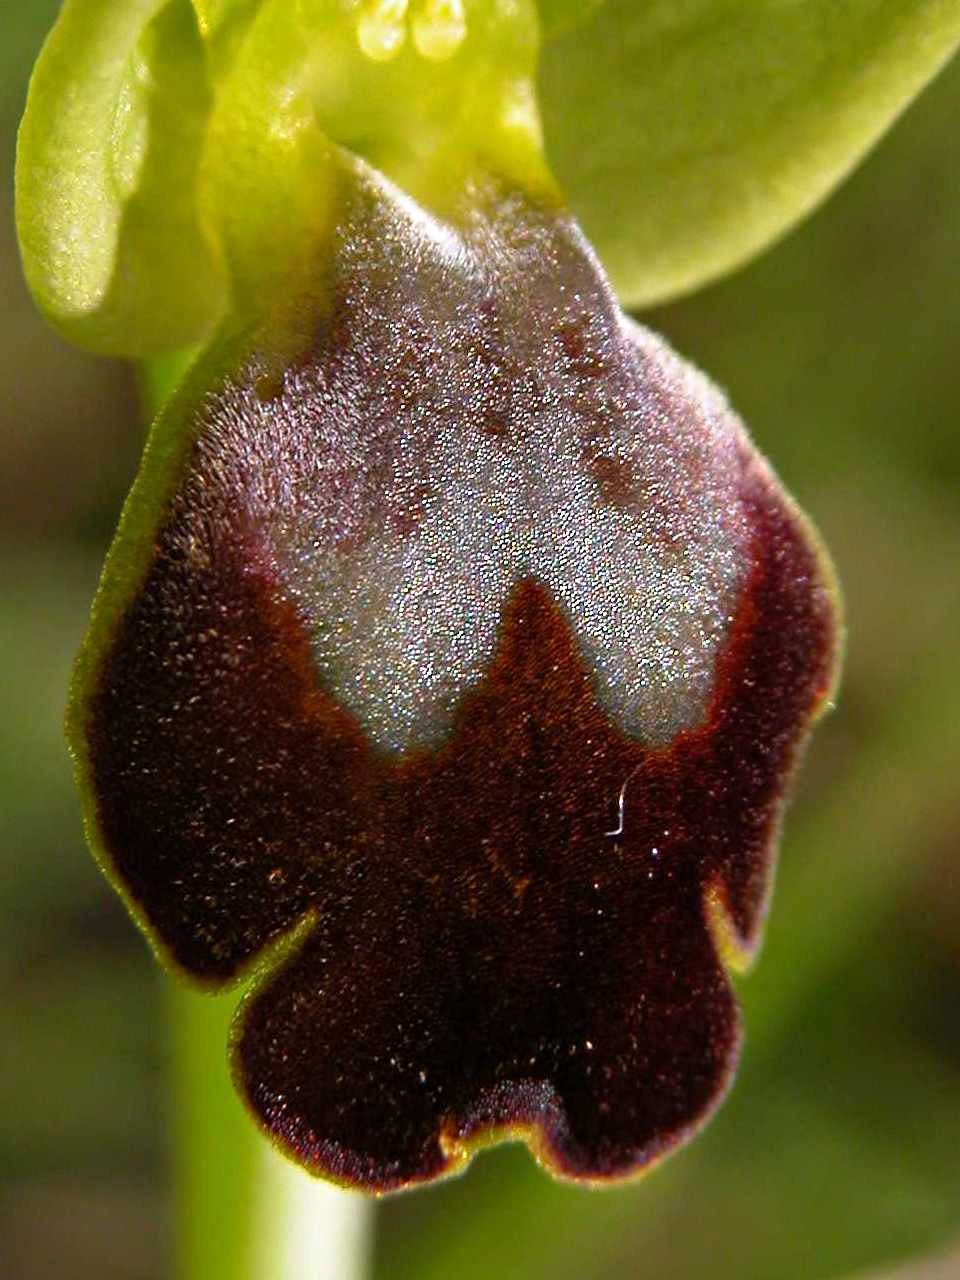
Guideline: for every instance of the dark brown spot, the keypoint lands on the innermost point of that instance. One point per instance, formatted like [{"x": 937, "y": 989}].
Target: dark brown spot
[
  {"x": 406, "y": 511},
  {"x": 269, "y": 387},
  {"x": 495, "y": 424},
  {"x": 614, "y": 479},
  {"x": 584, "y": 354}
]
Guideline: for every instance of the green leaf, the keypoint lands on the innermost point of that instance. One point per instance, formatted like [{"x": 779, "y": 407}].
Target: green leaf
[
  {"x": 106, "y": 177},
  {"x": 688, "y": 134}
]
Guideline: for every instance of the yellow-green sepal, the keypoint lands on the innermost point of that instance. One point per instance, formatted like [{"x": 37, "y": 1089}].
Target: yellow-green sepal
[{"x": 107, "y": 160}]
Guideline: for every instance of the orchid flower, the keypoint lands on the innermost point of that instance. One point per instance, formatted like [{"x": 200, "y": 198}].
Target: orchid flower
[{"x": 457, "y": 648}]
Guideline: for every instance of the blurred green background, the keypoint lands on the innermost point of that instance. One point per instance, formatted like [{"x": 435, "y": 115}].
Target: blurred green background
[{"x": 839, "y": 1149}]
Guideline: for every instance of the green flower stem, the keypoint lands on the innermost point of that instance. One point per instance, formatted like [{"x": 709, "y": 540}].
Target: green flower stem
[
  {"x": 243, "y": 1212},
  {"x": 215, "y": 1146}
]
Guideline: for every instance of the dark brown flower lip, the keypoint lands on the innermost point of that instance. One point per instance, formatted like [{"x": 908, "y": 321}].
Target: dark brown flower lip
[
  {"x": 480, "y": 873},
  {"x": 696, "y": 839},
  {"x": 518, "y": 924}
]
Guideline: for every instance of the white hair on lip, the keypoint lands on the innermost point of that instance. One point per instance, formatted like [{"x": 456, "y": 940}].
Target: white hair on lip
[{"x": 479, "y": 412}]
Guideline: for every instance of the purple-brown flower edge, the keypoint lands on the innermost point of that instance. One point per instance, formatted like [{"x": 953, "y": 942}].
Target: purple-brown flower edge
[{"x": 508, "y": 897}]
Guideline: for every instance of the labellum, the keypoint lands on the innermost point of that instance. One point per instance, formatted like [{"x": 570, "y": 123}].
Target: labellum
[
  {"x": 457, "y": 647},
  {"x": 470, "y": 655}
]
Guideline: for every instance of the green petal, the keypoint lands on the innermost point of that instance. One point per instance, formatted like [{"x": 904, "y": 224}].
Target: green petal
[
  {"x": 688, "y": 134},
  {"x": 106, "y": 168}
]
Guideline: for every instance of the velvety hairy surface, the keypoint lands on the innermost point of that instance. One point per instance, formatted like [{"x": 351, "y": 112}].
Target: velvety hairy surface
[
  {"x": 479, "y": 644},
  {"x": 476, "y": 409}
]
